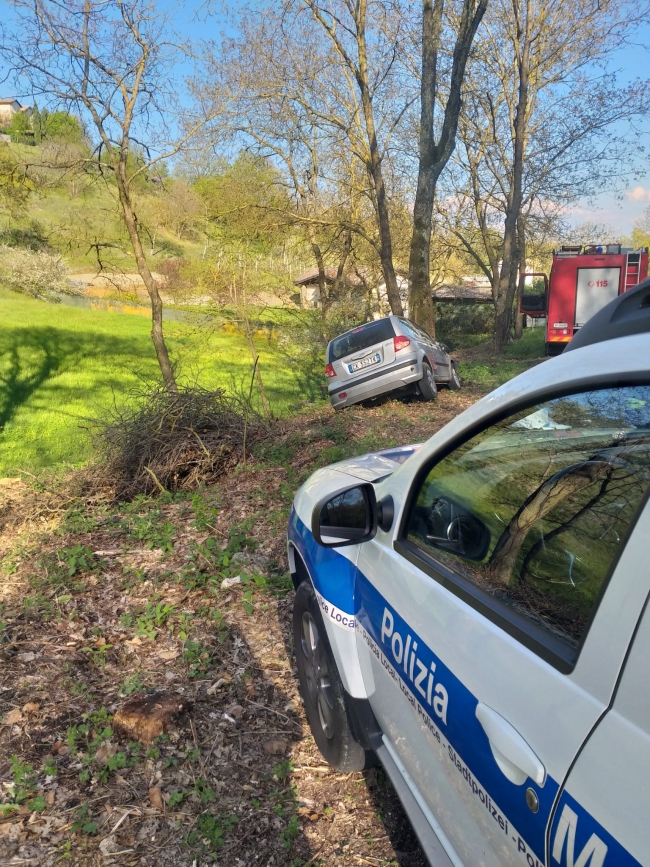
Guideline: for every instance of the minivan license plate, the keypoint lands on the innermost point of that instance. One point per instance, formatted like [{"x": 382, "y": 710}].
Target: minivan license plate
[{"x": 365, "y": 362}]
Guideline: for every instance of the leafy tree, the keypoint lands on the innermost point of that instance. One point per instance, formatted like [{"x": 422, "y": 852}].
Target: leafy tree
[
  {"x": 244, "y": 199},
  {"x": 14, "y": 184},
  {"x": 61, "y": 125},
  {"x": 19, "y": 128}
]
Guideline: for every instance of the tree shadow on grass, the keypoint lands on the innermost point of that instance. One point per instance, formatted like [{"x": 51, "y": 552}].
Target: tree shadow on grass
[{"x": 29, "y": 357}]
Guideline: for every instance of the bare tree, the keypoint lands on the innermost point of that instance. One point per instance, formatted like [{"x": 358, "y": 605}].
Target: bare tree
[
  {"x": 535, "y": 131},
  {"x": 114, "y": 64},
  {"x": 434, "y": 155},
  {"x": 308, "y": 110},
  {"x": 293, "y": 108}
]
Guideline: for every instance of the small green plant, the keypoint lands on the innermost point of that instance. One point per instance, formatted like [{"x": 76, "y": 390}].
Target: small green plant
[
  {"x": 155, "y": 616},
  {"x": 10, "y": 564},
  {"x": 77, "y": 520},
  {"x": 87, "y": 738},
  {"x": 22, "y": 788},
  {"x": 283, "y": 770},
  {"x": 204, "y": 514},
  {"x": 77, "y": 558},
  {"x": 177, "y": 798},
  {"x": 203, "y": 791},
  {"x": 197, "y": 657},
  {"x": 83, "y": 821},
  {"x": 248, "y": 602},
  {"x": 133, "y": 683},
  {"x": 133, "y": 576},
  {"x": 183, "y": 625},
  {"x": 49, "y": 767},
  {"x": 211, "y": 829},
  {"x": 290, "y": 832},
  {"x": 97, "y": 655},
  {"x": 152, "y": 528}
]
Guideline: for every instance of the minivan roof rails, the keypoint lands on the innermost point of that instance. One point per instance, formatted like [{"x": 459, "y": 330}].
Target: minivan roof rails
[{"x": 627, "y": 314}]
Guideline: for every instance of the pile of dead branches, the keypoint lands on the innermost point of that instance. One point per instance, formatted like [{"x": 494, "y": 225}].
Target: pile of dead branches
[{"x": 162, "y": 441}]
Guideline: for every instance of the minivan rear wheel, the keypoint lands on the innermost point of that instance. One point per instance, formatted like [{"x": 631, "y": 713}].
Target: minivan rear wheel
[{"x": 427, "y": 384}]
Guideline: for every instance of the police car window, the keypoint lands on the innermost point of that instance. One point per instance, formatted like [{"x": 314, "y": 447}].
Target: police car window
[{"x": 534, "y": 510}]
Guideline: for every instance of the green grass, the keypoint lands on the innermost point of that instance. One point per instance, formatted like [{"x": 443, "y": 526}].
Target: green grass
[
  {"x": 61, "y": 367},
  {"x": 489, "y": 371}
]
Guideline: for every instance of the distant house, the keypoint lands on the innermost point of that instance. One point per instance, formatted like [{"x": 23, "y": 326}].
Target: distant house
[
  {"x": 307, "y": 283},
  {"x": 9, "y": 107}
]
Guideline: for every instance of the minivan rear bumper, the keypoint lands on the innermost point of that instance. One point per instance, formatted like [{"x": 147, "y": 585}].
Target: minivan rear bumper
[{"x": 372, "y": 385}]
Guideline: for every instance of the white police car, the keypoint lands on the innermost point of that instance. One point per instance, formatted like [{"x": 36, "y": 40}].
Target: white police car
[{"x": 473, "y": 612}]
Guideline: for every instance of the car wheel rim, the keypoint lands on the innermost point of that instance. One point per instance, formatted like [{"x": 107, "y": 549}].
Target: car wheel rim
[
  {"x": 430, "y": 380},
  {"x": 319, "y": 689}
]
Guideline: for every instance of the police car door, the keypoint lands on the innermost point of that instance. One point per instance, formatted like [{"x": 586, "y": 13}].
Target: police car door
[
  {"x": 603, "y": 812},
  {"x": 493, "y": 619}
]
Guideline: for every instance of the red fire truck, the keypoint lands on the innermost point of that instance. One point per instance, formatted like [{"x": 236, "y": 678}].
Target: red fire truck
[{"x": 582, "y": 280}]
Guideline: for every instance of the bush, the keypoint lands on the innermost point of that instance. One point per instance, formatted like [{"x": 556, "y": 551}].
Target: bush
[
  {"x": 30, "y": 236},
  {"x": 36, "y": 273},
  {"x": 455, "y": 319},
  {"x": 163, "y": 441}
]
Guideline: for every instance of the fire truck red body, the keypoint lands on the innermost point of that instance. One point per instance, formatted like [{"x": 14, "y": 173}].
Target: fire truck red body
[{"x": 582, "y": 281}]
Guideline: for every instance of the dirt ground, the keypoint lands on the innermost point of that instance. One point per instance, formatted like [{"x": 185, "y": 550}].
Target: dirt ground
[{"x": 101, "y": 604}]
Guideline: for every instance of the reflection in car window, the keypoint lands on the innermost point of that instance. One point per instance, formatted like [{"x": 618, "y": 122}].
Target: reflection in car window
[
  {"x": 360, "y": 338},
  {"x": 345, "y": 510},
  {"x": 534, "y": 510}
]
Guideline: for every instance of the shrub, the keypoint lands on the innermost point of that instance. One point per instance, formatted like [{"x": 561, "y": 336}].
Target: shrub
[
  {"x": 454, "y": 319},
  {"x": 163, "y": 441},
  {"x": 36, "y": 273}
]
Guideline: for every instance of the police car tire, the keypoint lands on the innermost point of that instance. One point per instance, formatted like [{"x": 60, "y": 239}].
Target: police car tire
[
  {"x": 340, "y": 750},
  {"x": 454, "y": 379},
  {"x": 428, "y": 388}
]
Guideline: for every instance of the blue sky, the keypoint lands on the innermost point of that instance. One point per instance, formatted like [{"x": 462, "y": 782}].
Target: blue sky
[{"x": 621, "y": 210}]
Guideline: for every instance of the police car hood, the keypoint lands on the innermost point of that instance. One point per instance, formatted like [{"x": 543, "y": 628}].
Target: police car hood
[{"x": 376, "y": 465}]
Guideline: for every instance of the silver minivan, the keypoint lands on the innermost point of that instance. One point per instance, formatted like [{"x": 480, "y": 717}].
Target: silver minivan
[{"x": 383, "y": 356}]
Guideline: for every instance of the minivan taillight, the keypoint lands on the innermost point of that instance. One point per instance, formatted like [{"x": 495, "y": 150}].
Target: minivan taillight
[
  {"x": 400, "y": 342},
  {"x": 329, "y": 371}
]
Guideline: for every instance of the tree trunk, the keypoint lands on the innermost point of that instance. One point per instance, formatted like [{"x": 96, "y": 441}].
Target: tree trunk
[
  {"x": 131, "y": 223},
  {"x": 374, "y": 168},
  {"x": 434, "y": 157},
  {"x": 383, "y": 219},
  {"x": 421, "y": 309},
  {"x": 519, "y": 317},
  {"x": 318, "y": 256},
  {"x": 347, "y": 249},
  {"x": 510, "y": 254}
]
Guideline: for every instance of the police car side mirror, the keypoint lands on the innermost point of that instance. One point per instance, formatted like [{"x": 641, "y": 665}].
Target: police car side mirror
[{"x": 348, "y": 517}]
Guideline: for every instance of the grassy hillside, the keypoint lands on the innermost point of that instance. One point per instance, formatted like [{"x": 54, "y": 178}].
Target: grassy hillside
[{"x": 60, "y": 366}]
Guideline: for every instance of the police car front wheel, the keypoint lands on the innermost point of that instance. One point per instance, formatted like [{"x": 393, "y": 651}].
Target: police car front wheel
[{"x": 321, "y": 687}]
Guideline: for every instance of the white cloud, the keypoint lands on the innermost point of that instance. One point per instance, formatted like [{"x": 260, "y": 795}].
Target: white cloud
[{"x": 638, "y": 194}]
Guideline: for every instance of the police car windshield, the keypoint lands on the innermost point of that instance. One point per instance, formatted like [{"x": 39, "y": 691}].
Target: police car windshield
[{"x": 360, "y": 338}]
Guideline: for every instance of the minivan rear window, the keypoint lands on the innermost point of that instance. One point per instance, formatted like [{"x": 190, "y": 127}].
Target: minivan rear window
[{"x": 361, "y": 338}]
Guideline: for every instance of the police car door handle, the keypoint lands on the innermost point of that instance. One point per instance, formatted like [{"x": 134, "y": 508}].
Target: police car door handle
[{"x": 515, "y": 758}]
